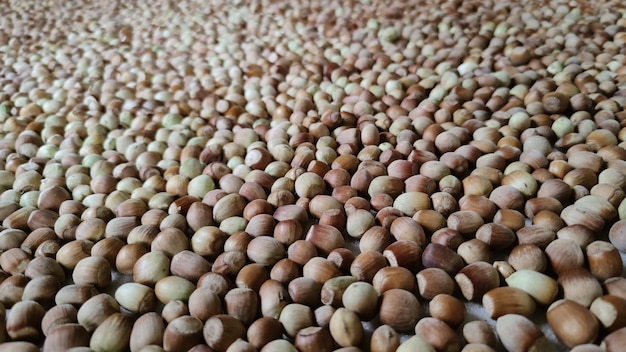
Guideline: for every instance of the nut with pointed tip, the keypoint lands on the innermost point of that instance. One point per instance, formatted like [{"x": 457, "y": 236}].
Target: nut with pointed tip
[
  {"x": 522, "y": 181},
  {"x": 535, "y": 205},
  {"x": 95, "y": 310},
  {"x": 345, "y": 328},
  {"x": 305, "y": 291},
  {"x": 386, "y": 184},
  {"x": 150, "y": 268},
  {"x": 135, "y": 297},
  {"x": 577, "y": 215},
  {"x": 108, "y": 248},
  {"x": 430, "y": 220},
  {"x": 320, "y": 270},
  {"x": 274, "y": 298},
  {"x": 171, "y": 288},
  {"x": 208, "y": 241},
  {"x": 507, "y": 197},
  {"x": 74, "y": 294},
  {"x": 174, "y": 309},
  {"x": 447, "y": 237},
  {"x": 147, "y": 330},
  {"x": 113, "y": 334},
  {"x": 309, "y": 184},
  {"x": 289, "y": 231},
  {"x": 405, "y": 228},
  {"x": 252, "y": 276},
  {"x": 189, "y": 265},
  {"x": 537, "y": 235},
  {"x": 237, "y": 241},
  {"x": 411, "y": 202},
  {"x": 325, "y": 238},
  {"x": 465, "y": 221},
  {"x": 13, "y": 238},
  {"x": 141, "y": 234},
  {"x": 510, "y": 218},
  {"x": 41, "y": 289},
  {"x": 598, "y": 206},
  {"x": 44, "y": 266},
  {"x": 198, "y": 215},
  {"x": 284, "y": 271},
  {"x": 393, "y": 277},
  {"x": 260, "y": 225},
  {"x": 384, "y": 339},
  {"x": 361, "y": 298},
  {"x": 228, "y": 206},
  {"x": 121, "y": 226},
  {"x": 564, "y": 254},
  {"x": 172, "y": 239},
  {"x": 72, "y": 252},
  {"x": 498, "y": 236},
  {"x": 301, "y": 251},
  {"x": 358, "y": 222},
  {"x": 93, "y": 271},
  {"x": 295, "y": 317}
]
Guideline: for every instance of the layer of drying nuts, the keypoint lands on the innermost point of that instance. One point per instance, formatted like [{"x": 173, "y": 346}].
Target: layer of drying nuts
[{"x": 259, "y": 175}]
